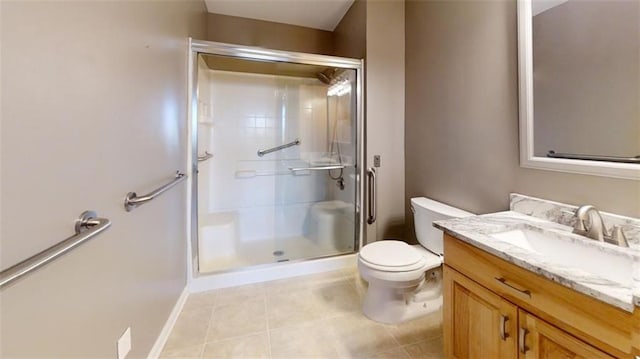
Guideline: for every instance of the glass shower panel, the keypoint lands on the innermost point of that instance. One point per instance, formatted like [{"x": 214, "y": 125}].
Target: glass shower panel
[{"x": 295, "y": 199}]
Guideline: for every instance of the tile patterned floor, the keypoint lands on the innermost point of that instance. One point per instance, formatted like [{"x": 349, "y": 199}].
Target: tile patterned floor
[{"x": 314, "y": 316}]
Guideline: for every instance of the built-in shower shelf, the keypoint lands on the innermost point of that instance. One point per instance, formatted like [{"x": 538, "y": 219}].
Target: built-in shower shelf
[{"x": 205, "y": 123}]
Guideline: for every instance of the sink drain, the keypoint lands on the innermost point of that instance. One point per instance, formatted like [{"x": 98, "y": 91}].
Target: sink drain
[{"x": 278, "y": 253}]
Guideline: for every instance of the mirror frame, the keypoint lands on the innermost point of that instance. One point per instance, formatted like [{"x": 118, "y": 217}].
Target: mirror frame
[{"x": 528, "y": 159}]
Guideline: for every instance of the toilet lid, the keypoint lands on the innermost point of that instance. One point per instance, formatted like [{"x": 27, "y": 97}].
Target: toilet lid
[{"x": 390, "y": 254}]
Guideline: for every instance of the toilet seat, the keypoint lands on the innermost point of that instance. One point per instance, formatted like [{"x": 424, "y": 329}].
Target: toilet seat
[
  {"x": 391, "y": 256},
  {"x": 397, "y": 256}
]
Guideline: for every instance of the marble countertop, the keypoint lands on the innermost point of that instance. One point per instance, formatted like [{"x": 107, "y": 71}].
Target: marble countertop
[{"x": 477, "y": 231}]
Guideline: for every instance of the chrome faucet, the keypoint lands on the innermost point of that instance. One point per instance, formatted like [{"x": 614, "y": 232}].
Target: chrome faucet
[{"x": 590, "y": 224}]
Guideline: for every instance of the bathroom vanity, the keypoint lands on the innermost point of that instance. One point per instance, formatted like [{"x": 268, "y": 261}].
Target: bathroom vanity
[{"x": 522, "y": 285}]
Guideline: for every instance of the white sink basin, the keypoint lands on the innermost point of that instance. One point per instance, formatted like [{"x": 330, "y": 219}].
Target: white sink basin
[{"x": 573, "y": 253}]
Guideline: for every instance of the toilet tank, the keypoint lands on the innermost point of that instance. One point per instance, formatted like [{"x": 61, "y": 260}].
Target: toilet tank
[{"x": 425, "y": 211}]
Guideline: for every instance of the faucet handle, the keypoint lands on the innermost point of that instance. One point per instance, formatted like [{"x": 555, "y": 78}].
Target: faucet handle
[{"x": 618, "y": 237}]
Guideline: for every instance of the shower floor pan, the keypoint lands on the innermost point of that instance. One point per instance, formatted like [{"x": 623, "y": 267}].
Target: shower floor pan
[{"x": 261, "y": 252}]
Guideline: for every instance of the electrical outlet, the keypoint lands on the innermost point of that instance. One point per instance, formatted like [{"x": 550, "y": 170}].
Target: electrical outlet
[{"x": 124, "y": 344}]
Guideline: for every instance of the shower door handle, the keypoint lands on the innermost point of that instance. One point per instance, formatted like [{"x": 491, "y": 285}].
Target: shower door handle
[{"x": 372, "y": 187}]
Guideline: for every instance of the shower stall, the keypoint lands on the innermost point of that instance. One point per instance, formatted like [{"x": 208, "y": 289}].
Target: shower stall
[{"x": 276, "y": 157}]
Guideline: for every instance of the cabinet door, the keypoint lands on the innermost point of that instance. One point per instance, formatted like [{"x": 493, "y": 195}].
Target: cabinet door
[
  {"x": 539, "y": 339},
  {"x": 477, "y": 322}
]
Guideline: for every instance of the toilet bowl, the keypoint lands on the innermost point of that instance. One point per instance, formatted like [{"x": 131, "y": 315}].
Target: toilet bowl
[{"x": 405, "y": 281}]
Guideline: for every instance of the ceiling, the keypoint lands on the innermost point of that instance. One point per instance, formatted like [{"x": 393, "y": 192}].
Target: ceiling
[{"x": 317, "y": 14}]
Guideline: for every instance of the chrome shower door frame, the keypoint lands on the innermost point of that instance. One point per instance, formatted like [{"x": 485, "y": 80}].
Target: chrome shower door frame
[{"x": 197, "y": 47}]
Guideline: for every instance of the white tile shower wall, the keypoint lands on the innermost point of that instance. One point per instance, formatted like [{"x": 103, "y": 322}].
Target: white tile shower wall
[
  {"x": 242, "y": 113},
  {"x": 205, "y": 122}
]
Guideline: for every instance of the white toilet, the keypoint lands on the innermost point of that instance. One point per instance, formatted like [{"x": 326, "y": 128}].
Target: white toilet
[{"x": 405, "y": 281}]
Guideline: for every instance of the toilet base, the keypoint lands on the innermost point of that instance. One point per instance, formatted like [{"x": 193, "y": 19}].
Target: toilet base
[{"x": 392, "y": 305}]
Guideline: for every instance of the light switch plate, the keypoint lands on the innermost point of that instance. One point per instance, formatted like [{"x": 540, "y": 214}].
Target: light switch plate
[
  {"x": 124, "y": 344},
  {"x": 376, "y": 161}
]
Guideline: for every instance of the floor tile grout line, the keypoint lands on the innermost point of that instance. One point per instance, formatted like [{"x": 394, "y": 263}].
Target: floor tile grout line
[
  {"x": 266, "y": 318},
  {"x": 421, "y": 341},
  {"x": 234, "y": 337},
  {"x": 202, "y": 351},
  {"x": 314, "y": 320},
  {"x": 386, "y": 328},
  {"x": 404, "y": 350},
  {"x": 206, "y": 332},
  {"x": 180, "y": 314}
]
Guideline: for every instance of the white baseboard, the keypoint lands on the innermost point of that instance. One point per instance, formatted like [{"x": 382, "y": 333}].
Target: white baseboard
[
  {"x": 285, "y": 270},
  {"x": 168, "y": 325}
]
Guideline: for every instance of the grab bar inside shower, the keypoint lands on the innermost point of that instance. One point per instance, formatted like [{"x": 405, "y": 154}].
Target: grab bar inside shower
[
  {"x": 132, "y": 200},
  {"x": 574, "y": 156},
  {"x": 317, "y": 168},
  {"x": 296, "y": 142},
  {"x": 87, "y": 226}
]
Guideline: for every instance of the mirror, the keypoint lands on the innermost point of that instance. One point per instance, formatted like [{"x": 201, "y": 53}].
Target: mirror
[{"x": 579, "y": 70}]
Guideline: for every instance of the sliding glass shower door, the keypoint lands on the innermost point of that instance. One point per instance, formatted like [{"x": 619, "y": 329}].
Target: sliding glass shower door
[{"x": 277, "y": 168}]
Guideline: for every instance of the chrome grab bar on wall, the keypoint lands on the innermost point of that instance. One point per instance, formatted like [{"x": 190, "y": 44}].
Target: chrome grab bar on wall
[
  {"x": 132, "y": 200},
  {"x": 296, "y": 142},
  {"x": 371, "y": 200},
  {"x": 87, "y": 226},
  {"x": 206, "y": 156},
  {"x": 318, "y": 168},
  {"x": 574, "y": 156}
]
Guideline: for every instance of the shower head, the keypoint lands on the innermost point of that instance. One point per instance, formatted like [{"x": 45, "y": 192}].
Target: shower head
[
  {"x": 324, "y": 78},
  {"x": 328, "y": 75}
]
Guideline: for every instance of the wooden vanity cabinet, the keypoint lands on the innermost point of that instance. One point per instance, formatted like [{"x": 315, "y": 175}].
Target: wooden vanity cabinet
[
  {"x": 495, "y": 309},
  {"x": 478, "y": 323},
  {"x": 540, "y": 339}
]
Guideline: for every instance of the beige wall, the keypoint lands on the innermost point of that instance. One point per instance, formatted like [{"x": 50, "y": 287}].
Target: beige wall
[
  {"x": 350, "y": 35},
  {"x": 374, "y": 30},
  {"x": 385, "y": 91},
  {"x": 462, "y": 115},
  {"x": 105, "y": 114},
  {"x": 347, "y": 40},
  {"x": 587, "y": 78},
  {"x": 271, "y": 35}
]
